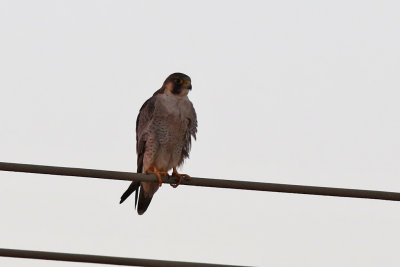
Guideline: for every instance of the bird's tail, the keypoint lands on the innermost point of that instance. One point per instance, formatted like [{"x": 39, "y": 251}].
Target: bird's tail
[
  {"x": 144, "y": 201},
  {"x": 132, "y": 188}
]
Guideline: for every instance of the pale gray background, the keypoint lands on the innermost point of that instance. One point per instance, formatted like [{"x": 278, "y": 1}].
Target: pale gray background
[{"x": 302, "y": 92}]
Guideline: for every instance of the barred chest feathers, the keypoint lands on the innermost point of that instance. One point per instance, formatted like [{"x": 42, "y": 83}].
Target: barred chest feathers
[{"x": 172, "y": 129}]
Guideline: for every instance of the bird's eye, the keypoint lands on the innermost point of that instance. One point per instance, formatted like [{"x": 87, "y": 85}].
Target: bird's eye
[{"x": 179, "y": 81}]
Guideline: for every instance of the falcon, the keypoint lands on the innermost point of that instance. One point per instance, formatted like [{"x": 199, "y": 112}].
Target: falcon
[{"x": 164, "y": 129}]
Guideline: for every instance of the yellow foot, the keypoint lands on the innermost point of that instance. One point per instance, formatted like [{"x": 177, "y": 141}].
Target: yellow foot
[
  {"x": 153, "y": 170},
  {"x": 179, "y": 175}
]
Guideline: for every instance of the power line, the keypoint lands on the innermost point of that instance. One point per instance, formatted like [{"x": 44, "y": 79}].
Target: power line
[
  {"x": 206, "y": 182},
  {"x": 57, "y": 256}
]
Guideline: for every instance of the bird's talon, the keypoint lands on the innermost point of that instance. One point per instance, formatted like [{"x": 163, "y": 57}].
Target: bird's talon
[
  {"x": 179, "y": 181},
  {"x": 158, "y": 174},
  {"x": 159, "y": 179},
  {"x": 180, "y": 176},
  {"x": 186, "y": 177}
]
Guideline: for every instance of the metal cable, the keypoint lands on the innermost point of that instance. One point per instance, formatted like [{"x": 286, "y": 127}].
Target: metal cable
[
  {"x": 57, "y": 256},
  {"x": 206, "y": 182}
]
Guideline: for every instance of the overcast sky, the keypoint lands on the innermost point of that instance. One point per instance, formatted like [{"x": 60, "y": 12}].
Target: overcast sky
[{"x": 300, "y": 92}]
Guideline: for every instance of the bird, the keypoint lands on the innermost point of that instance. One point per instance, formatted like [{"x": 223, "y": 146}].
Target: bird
[{"x": 165, "y": 126}]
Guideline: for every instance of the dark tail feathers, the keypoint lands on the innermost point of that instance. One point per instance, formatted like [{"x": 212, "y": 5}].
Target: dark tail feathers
[
  {"x": 144, "y": 201},
  {"x": 132, "y": 188}
]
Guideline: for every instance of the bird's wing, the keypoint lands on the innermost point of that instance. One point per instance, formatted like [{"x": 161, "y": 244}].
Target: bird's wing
[
  {"x": 144, "y": 118},
  {"x": 193, "y": 122},
  {"x": 192, "y": 131}
]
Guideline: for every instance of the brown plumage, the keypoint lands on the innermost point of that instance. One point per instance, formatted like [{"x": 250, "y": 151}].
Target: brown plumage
[{"x": 164, "y": 129}]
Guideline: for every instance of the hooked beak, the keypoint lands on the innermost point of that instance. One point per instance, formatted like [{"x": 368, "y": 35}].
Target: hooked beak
[{"x": 188, "y": 85}]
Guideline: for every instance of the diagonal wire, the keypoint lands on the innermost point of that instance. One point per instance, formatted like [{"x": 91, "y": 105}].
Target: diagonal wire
[
  {"x": 57, "y": 256},
  {"x": 206, "y": 182}
]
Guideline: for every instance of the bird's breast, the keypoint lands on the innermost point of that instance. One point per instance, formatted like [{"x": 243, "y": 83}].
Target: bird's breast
[{"x": 176, "y": 108}]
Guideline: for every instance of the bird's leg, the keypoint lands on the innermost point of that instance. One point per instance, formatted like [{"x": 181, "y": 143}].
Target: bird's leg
[
  {"x": 179, "y": 175},
  {"x": 154, "y": 170}
]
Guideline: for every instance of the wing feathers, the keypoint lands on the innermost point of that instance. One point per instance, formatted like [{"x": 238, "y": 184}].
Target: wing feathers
[
  {"x": 134, "y": 186},
  {"x": 145, "y": 116}
]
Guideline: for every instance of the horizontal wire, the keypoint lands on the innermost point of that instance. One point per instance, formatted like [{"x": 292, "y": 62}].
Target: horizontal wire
[
  {"x": 206, "y": 182},
  {"x": 57, "y": 256}
]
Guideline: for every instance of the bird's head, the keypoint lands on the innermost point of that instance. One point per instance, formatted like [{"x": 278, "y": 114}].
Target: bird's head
[{"x": 178, "y": 84}]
